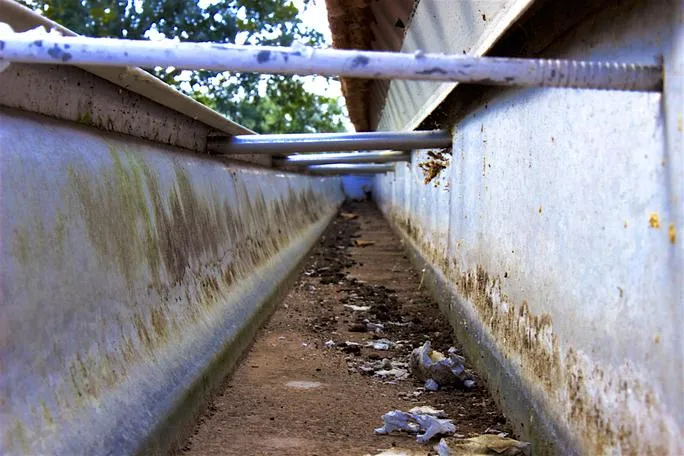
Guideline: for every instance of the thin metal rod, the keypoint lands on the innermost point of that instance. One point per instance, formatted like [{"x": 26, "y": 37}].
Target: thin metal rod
[
  {"x": 54, "y": 49},
  {"x": 325, "y": 142},
  {"x": 387, "y": 156},
  {"x": 374, "y": 168}
]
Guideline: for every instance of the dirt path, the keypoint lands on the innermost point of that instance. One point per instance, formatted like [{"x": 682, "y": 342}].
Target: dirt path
[{"x": 293, "y": 395}]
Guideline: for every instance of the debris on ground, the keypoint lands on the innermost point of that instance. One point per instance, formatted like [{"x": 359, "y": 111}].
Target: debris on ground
[
  {"x": 414, "y": 423},
  {"x": 350, "y": 347},
  {"x": 354, "y": 308},
  {"x": 437, "y": 370},
  {"x": 491, "y": 430},
  {"x": 485, "y": 444},
  {"x": 298, "y": 421},
  {"x": 398, "y": 452},
  {"x": 349, "y": 215},
  {"x": 431, "y": 385},
  {"x": 373, "y": 327},
  {"x": 427, "y": 410},
  {"x": 442, "y": 448},
  {"x": 413, "y": 395},
  {"x": 381, "y": 344},
  {"x": 363, "y": 243},
  {"x": 385, "y": 369}
]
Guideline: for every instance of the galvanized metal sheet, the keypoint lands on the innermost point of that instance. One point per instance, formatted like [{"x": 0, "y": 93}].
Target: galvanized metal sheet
[
  {"x": 563, "y": 251},
  {"x": 464, "y": 27},
  {"x": 128, "y": 271}
]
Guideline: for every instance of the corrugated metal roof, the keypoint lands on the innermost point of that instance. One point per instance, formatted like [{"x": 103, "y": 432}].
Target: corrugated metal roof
[{"x": 377, "y": 25}]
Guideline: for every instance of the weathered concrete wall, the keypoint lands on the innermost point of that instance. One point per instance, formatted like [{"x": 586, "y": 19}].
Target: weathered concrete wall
[
  {"x": 132, "y": 276},
  {"x": 553, "y": 242}
]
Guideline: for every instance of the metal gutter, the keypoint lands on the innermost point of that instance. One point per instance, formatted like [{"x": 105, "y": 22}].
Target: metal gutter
[{"x": 133, "y": 79}]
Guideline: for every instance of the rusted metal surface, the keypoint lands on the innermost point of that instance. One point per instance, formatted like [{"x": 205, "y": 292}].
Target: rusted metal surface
[
  {"x": 131, "y": 273},
  {"x": 552, "y": 241}
]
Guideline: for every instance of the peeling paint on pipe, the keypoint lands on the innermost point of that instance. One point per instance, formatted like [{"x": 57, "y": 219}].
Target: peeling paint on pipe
[
  {"x": 32, "y": 48},
  {"x": 132, "y": 275}
]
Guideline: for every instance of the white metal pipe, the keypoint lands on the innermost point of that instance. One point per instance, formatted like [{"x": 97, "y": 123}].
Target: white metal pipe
[
  {"x": 275, "y": 144},
  {"x": 54, "y": 49},
  {"x": 372, "y": 168},
  {"x": 346, "y": 157}
]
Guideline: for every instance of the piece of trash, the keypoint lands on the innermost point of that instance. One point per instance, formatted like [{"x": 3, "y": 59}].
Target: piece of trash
[
  {"x": 349, "y": 215},
  {"x": 427, "y": 410},
  {"x": 433, "y": 427},
  {"x": 494, "y": 431},
  {"x": 395, "y": 373},
  {"x": 431, "y": 385},
  {"x": 330, "y": 343},
  {"x": 363, "y": 242},
  {"x": 398, "y": 452},
  {"x": 375, "y": 327},
  {"x": 442, "y": 448},
  {"x": 428, "y": 364},
  {"x": 397, "y": 420},
  {"x": 398, "y": 323},
  {"x": 486, "y": 444},
  {"x": 413, "y": 395},
  {"x": 381, "y": 344},
  {"x": 367, "y": 370},
  {"x": 386, "y": 369},
  {"x": 357, "y": 308},
  {"x": 469, "y": 383}
]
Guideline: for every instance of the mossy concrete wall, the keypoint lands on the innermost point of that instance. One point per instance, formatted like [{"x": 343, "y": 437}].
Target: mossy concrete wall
[
  {"x": 553, "y": 241},
  {"x": 132, "y": 276}
]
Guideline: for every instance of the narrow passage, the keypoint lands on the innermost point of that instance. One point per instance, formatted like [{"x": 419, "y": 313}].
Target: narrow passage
[{"x": 293, "y": 394}]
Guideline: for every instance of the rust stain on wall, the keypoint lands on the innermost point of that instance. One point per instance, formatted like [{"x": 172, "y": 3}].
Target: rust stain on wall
[{"x": 597, "y": 404}]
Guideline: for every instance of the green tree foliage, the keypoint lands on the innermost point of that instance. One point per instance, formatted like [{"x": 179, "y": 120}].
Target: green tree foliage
[{"x": 264, "y": 103}]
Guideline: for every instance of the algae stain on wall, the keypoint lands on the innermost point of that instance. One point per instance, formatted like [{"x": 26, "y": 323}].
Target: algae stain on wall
[{"x": 190, "y": 245}]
